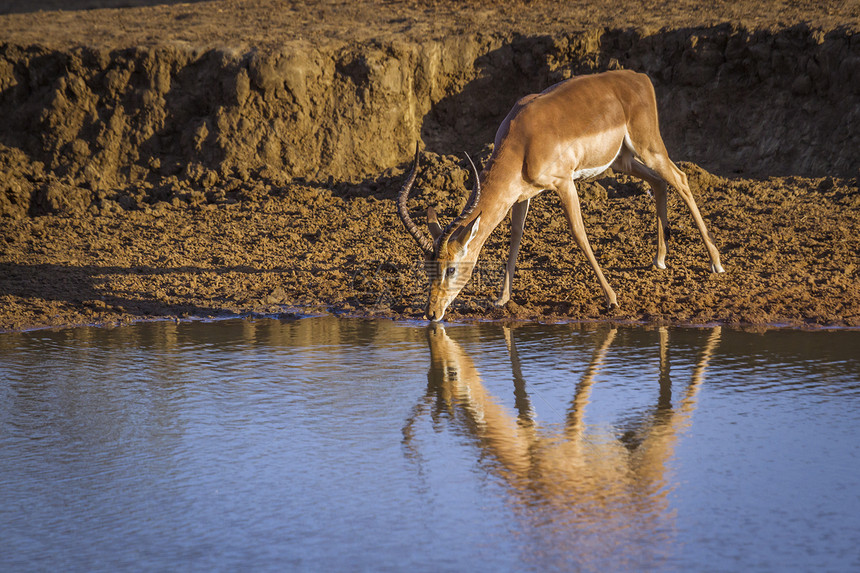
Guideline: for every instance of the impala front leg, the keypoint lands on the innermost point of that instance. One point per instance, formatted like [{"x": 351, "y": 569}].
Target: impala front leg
[
  {"x": 570, "y": 200},
  {"x": 518, "y": 221}
]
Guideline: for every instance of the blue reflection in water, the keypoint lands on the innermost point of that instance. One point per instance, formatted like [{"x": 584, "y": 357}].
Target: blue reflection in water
[{"x": 324, "y": 444}]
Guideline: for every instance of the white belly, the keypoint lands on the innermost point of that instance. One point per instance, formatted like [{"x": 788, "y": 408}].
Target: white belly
[{"x": 589, "y": 172}]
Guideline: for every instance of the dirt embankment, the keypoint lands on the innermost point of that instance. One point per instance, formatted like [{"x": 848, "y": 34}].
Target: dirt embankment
[
  {"x": 139, "y": 125},
  {"x": 166, "y": 180}
]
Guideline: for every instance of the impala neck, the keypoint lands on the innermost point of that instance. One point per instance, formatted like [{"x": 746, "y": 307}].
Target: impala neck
[{"x": 501, "y": 187}]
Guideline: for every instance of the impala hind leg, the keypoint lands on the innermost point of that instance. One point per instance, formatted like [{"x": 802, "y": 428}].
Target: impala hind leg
[
  {"x": 664, "y": 167},
  {"x": 570, "y": 201},
  {"x": 658, "y": 186},
  {"x": 518, "y": 221}
]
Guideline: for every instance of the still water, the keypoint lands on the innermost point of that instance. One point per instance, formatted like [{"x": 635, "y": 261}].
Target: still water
[{"x": 325, "y": 444}]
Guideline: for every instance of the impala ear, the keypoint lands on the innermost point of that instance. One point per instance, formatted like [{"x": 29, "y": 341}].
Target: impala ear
[
  {"x": 466, "y": 234},
  {"x": 433, "y": 223}
]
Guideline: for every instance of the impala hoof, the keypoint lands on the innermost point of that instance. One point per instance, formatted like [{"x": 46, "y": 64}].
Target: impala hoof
[{"x": 717, "y": 268}]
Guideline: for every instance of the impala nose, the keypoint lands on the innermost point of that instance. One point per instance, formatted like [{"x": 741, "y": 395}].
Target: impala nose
[{"x": 432, "y": 316}]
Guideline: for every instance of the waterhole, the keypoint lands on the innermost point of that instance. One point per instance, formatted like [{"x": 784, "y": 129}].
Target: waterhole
[{"x": 329, "y": 444}]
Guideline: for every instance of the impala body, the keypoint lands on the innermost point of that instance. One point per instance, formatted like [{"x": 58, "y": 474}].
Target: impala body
[{"x": 574, "y": 130}]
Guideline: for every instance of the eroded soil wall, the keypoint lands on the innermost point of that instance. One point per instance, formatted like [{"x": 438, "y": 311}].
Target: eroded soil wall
[{"x": 84, "y": 127}]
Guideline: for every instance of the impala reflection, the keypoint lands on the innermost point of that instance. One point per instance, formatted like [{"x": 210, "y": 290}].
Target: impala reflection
[{"x": 603, "y": 492}]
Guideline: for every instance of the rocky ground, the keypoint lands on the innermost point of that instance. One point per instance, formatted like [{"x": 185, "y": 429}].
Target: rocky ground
[{"x": 212, "y": 158}]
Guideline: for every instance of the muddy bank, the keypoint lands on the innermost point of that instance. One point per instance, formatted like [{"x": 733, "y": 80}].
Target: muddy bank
[
  {"x": 171, "y": 178},
  {"x": 789, "y": 247}
]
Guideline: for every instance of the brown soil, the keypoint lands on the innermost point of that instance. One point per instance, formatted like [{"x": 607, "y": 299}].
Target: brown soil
[{"x": 214, "y": 158}]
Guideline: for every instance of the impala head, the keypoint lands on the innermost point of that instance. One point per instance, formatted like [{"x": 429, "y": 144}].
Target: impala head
[{"x": 449, "y": 258}]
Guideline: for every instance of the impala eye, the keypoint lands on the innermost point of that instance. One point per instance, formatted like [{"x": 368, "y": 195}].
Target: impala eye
[{"x": 449, "y": 272}]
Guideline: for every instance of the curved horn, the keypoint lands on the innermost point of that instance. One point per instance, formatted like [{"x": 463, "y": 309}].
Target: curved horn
[
  {"x": 467, "y": 210},
  {"x": 422, "y": 239}
]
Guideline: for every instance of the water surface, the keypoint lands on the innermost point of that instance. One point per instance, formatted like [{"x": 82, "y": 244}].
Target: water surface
[{"x": 330, "y": 444}]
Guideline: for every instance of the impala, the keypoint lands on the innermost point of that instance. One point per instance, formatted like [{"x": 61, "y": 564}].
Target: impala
[{"x": 576, "y": 129}]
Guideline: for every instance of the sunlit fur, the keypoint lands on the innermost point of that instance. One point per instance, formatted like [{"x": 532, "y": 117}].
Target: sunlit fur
[{"x": 572, "y": 130}]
